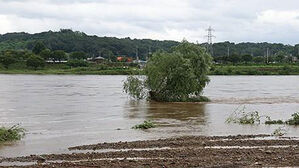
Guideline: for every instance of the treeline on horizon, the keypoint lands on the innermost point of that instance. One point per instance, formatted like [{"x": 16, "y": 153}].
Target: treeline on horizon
[{"x": 107, "y": 47}]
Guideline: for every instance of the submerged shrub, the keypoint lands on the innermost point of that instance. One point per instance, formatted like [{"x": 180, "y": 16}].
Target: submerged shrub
[
  {"x": 11, "y": 134},
  {"x": 279, "y": 132},
  {"x": 145, "y": 125},
  {"x": 294, "y": 120},
  {"x": 269, "y": 121},
  {"x": 243, "y": 117}
]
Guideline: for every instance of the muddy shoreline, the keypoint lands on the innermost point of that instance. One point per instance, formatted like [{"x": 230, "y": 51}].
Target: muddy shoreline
[{"x": 188, "y": 151}]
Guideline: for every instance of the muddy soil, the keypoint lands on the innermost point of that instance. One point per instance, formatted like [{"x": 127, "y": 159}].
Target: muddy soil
[{"x": 191, "y": 151}]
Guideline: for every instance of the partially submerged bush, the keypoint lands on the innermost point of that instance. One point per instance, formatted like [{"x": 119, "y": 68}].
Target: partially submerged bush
[
  {"x": 178, "y": 76},
  {"x": 11, "y": 134},
  {"x": 243, "y": 117},
  {"x": 279, "y": 132},
  {"x": 294, "y": 120},
  {"x": 269, "y": 121},
  {"x": 145, "y": 125}
]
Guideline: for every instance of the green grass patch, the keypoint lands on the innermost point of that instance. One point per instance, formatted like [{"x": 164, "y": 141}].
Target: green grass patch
[
  {"x": 145, "y": 125},
  {"x": 64, "y": 69},
  {"x": 11, "y": 134}
]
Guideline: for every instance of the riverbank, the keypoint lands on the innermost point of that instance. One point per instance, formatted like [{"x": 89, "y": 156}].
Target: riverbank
[
  {"x": 63, "y": 69},
  {"x": 255, "y": 69},
  {"x": 191, "y": 151}
]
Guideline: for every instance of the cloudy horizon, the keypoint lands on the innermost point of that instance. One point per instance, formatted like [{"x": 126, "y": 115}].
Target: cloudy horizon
[{"x": 233, "y": 20}]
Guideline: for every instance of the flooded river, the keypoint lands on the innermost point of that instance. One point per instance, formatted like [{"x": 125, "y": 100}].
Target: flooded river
[{"x": 63, "y": 111}]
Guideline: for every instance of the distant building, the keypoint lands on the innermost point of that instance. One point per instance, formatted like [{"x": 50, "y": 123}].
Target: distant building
[
  {"x": 140, "y": 63},
  {"x": 98, "y": 59},
  {"x": 62, "y": 61},
  {"x": 124, "y": 59},
  {"x": 295, "y": 59}
]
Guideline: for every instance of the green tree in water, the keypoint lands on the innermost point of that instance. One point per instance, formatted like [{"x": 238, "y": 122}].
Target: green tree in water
[{"x": 178, "y": 76}]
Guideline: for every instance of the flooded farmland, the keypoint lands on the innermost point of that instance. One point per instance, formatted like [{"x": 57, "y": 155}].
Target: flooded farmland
[{"x": 63, "y": 111}]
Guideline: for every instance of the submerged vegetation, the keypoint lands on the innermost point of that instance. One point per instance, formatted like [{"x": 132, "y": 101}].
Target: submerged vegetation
[
  {"x": 177, "y": 76},
  {"x": 11, "y": 134},
  {"x": 145, "y": 125},
  {"x": 294, "y": 120},
  {"x": 279, "y": 131},
  {"x": 241, "y": 116}
]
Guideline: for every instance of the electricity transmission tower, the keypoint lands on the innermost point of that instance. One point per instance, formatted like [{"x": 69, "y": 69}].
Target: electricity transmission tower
[{"x": 210, "y": 37}]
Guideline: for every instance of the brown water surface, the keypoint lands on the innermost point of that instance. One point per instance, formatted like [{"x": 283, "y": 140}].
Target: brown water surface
[{"x": 63, "y": 111}]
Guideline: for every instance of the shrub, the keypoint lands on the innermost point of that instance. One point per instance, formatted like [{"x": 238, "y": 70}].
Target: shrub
[
  {"x": 145, "y": 125},
  {"x": 35, "y": 61},
  {"x": 243, "y": 117},
  {"x": 269, "y": 121},
  {"x": 279, "y": 132},
  {"x": 7, "y": 60},
  {"x": 11, "y": 134},
  {"x": 294, "y": 120},
  {"x": 77, "y": 63},
  {"x": 78, "y": 55}
]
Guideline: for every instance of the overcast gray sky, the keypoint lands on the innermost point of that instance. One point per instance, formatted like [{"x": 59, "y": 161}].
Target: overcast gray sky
[{"x": 233, "y": 20}]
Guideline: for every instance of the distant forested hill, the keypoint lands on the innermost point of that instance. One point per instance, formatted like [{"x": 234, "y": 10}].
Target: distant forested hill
[
  {"x": 255, "y": 49},
  {"x": 70, "y": 41}
]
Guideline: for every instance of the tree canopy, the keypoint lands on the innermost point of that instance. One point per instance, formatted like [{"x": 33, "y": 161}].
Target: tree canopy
[
  {"x": 35, "y": 61},
  {"x": 179, "y": 75}
]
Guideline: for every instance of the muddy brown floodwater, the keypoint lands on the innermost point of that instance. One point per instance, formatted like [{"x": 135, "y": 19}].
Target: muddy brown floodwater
[{"x": 63, "y": 111}]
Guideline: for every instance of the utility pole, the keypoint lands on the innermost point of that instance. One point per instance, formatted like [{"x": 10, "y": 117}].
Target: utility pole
[
  {"x": 267, "y": 59},
  {"x": 228, "y": 51},
  {"x": 210, "y": 37},
  {"x": 137, "y": 58},
  {"x": 149, "y": 53}
]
